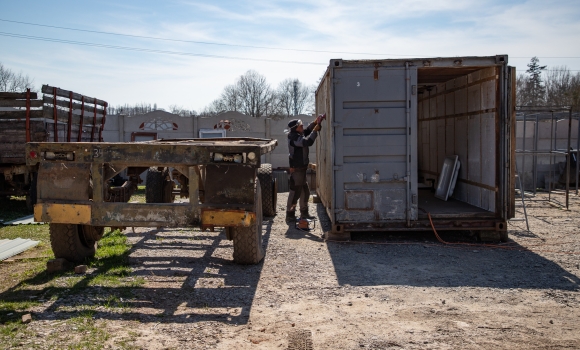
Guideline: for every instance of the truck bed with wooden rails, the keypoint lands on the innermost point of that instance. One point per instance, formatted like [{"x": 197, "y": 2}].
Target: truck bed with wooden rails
[{"x": 59, "y": 116}]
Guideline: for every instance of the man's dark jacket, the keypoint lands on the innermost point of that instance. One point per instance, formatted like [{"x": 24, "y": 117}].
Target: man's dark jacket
[{"x": 298, "y": 146}]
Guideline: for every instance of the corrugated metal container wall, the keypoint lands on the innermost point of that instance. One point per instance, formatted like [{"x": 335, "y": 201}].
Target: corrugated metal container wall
[{"x": 391, "y": 123}]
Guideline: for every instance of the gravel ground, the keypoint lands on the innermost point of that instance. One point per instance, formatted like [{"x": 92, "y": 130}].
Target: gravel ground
[{"x": 377, "y": 292}]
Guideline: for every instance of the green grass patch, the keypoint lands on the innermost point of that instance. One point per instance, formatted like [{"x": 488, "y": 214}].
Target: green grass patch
[
  {"x": 139, "y": 195},
  {"x": 13, "y": 208},
  {"x": 12, "y": 334},
  {"x": 23, "y": 272},
  {"x": 112, "y": 262},
  {"x": 108, "y": 283},
  {"x": 34, "y": 232},
  {"x": 85, "y": 332}
]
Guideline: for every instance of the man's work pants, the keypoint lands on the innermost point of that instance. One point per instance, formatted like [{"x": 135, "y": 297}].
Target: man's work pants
[{"x": 298, "y": 190}]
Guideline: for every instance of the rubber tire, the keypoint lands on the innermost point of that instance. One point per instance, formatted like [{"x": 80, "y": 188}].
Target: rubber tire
[
  {"x": 503, "y": 236},
  {"x": 31, "y": 197},
  {"x": 275, "y": 194},
  {"x": 168, "y": 185},
  {"x": 154, "y": 186},
  {"x": 157, "y": 189},
  {"x": 267, "y": 185},
  {"x": 248, "y": 249},
  {"x": 69, "y": 241}
]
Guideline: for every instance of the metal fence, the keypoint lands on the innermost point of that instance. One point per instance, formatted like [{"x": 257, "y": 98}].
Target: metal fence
[{"x": 547, "y": 143}]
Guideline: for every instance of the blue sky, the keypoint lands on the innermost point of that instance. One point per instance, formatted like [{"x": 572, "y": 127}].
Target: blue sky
[{"x": 237, "y": 33}]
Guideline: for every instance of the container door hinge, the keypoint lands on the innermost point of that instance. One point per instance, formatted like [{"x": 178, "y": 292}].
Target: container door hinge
[
  {"x": 414, "y": 90},
  {"x": 337, "y": 168}
]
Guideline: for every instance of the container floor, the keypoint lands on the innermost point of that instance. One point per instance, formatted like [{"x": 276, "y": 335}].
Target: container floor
[{"x": 451, "y": 208}]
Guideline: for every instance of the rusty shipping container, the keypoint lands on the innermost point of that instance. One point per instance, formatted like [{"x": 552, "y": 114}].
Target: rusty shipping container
[{"x": 391, "y": 124}]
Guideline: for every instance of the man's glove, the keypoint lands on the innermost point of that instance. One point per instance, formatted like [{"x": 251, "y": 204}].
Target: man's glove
[{"x": 317, "y": 127}]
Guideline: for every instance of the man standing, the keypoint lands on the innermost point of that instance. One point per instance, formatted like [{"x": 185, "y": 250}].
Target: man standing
[{"x": 299, "y": 140}]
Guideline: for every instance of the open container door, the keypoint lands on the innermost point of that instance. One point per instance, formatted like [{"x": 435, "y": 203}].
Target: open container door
[{"x": 375, "y": 148}]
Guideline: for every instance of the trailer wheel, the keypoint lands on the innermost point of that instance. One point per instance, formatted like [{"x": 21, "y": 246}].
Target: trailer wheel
[
  {"x": 154, "y": 186},
  {"x": 503, "y": 236},
  {"x": 168, "y": 185},
  {"x": 248, "y": 248},
  {"x": 157, "y": 188},
  {"x": 268, "y": 186},
  {"x": 32, "y": 192},
  {"x": 74, "y": 242}
]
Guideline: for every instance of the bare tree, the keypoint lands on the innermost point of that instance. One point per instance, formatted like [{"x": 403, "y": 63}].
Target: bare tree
[
  {"x": 179, "y": 110},
  {"x": 126, "y": 109},
  {"x": 251, "y": 94},
  {"x": 562, "y": 87},
  {"x": 558, "y": 87},
  {"x": 522, "y": 98},
  {"x": 12, "y": 82},
  {"x": 230, "y": 99},
  {"x": 254, "y": 92},
  {"x": 293, "y": 97}
]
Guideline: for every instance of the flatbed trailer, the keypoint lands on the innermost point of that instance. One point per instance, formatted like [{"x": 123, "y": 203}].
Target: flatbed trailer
[{"x": 223, "y": 179}]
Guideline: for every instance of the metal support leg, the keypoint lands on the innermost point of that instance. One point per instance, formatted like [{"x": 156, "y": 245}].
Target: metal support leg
[{"x": 523, "y": 198}]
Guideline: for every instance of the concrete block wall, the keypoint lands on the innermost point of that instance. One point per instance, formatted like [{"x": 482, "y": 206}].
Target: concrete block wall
[{"x": 119, "y": 128}]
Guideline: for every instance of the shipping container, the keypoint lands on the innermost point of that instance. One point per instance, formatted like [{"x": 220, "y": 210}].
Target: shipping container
[{"x": 390, "y": 126}]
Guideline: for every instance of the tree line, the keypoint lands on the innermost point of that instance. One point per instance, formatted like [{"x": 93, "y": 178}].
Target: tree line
[
  {"x": 11, "y": 81},
  {"x": 252, "y": 95},
  {"x": 540, "y": 86},
  {"x": 143, "y": 108}
]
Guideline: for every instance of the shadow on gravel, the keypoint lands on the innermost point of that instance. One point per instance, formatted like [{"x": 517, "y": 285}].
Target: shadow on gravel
[
  {"x": 419, "y": 260},
  {"x": 180, "y": 287},
  {"x": 293, "y": 232}
]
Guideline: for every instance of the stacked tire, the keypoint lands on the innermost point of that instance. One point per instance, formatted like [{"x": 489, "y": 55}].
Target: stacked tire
[
  {"x": 248, "y": 249},
  {"x": 269, "y": 189},
  {"x": 158, "y": 186},
  {"x": 74, "y": 242}
]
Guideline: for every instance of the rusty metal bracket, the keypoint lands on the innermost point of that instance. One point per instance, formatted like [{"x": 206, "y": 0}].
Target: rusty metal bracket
[
  {"x": 80, "y": 134},
  {"x": 55, "y": 116}
]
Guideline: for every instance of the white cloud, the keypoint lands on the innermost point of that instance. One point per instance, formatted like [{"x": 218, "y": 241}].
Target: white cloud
[{"x": 417, "y": 28}]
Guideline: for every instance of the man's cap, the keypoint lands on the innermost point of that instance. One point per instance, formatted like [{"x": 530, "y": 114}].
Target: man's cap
[{"x": 294, "y": 123}]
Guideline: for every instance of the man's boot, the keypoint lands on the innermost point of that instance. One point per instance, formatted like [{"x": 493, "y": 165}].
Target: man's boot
[
  {"x": 304, "y": 214},
  {"x": 290, "y": 217}
]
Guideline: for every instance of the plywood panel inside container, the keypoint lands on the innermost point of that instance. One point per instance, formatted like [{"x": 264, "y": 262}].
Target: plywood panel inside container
[
  {"x": 461, "y": 135},
  {"x": 440, "y": 141},
  {"x": 488, "y": 147},
  {"x": 474, "y": 149},
  {"x": 488, "y": 94},
  {"x": 474, "y": 98},
  {"x": 450, "y": 136},
  {"x": 440, "y": 105},
  {"x": 474, "y": 195},
  {"x": 449, "y": 104},
  {"x": 461, "y": 101},
  {"x": 433, "y": 165},
  {"x": 432, "y": 107}
]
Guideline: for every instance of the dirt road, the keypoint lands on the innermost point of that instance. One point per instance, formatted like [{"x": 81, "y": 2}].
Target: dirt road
[{"x": 410, "y": 294}]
